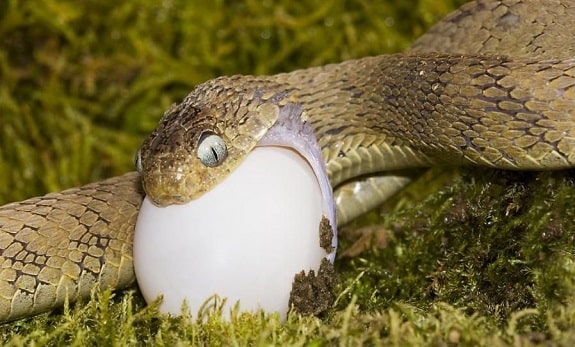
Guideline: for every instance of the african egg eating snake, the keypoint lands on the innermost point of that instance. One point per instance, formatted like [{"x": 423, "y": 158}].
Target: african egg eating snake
[{"x": 491, "y": 84}]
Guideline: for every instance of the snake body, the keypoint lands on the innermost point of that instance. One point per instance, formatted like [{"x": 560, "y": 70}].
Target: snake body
[{"x": 492, "y": 84}]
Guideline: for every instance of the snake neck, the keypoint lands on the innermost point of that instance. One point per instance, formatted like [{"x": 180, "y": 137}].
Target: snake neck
[{"x": 420, "y": 110}]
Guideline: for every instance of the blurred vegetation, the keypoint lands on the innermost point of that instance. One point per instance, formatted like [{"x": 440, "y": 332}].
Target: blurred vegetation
[
  {"x": 82, "y": 83},
  {"x": 476, "y": 257}
]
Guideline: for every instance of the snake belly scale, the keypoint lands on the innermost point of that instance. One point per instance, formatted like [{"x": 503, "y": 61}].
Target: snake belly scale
[{"x": 492, "y": 84}]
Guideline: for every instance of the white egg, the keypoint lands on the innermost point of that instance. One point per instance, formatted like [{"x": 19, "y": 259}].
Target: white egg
[{"x": 244, "y": 240}]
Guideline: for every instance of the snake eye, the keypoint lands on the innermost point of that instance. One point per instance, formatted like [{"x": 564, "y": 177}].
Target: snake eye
[
  {"x": 212, "y": 149},
  {"x": 138, "y": 161}
]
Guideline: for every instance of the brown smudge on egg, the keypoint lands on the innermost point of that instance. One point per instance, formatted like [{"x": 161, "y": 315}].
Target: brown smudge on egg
[
  {"x": 326, "y": 235},
  {"x": 313, "y": 294}
]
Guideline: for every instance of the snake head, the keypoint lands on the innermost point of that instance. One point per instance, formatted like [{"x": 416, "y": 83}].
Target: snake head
[{"x": 201, "y": 140}]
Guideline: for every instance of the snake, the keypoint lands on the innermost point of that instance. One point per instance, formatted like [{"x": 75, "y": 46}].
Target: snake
[{"x": 492, "y": 84}]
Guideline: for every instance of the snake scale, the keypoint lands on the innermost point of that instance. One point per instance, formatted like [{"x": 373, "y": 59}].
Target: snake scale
[{"x": 492, "y": 84}]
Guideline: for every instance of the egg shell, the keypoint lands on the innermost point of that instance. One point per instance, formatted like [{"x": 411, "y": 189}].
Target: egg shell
[{"x": 244, "y": 240}]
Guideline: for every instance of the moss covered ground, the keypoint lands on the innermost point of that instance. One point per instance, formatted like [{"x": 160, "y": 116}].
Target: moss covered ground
[{"x": 466, "y": 257}]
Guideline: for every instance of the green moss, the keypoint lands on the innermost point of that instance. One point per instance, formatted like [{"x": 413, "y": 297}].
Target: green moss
[
  {"x": 493, "y": 241},
  {"x": 475, "y": 257}
]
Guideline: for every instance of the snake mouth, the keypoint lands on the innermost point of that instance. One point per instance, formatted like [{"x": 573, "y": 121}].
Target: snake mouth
[
  {"x": 167, "y": 188},
  {"x": 169, "y": 184},
  {"x": 290, "y": 131}
]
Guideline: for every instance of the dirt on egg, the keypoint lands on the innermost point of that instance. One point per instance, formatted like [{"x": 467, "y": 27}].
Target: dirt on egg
[{"x": 313, "y": 293}]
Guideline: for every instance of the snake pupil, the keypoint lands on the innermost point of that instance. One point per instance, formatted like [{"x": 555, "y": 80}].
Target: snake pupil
[{"x": 214, "y": 153}]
